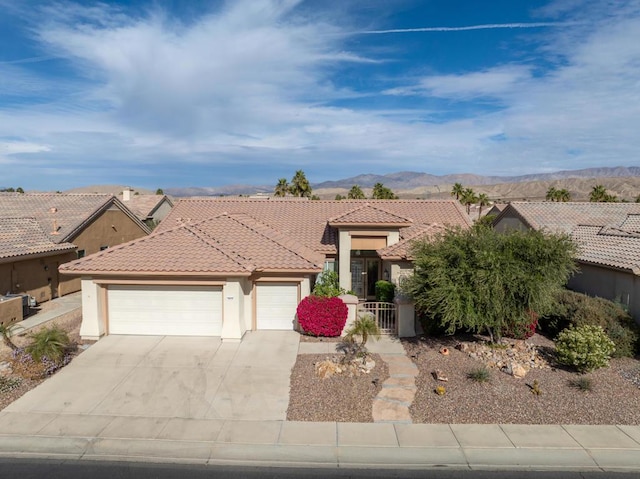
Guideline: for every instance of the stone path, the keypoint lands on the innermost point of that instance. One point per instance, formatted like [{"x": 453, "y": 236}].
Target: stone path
[{"x": 397, "y": 393}]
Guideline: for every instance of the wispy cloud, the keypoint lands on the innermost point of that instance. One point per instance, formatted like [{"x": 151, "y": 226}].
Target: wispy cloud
[{"x": 487, "y": 26}]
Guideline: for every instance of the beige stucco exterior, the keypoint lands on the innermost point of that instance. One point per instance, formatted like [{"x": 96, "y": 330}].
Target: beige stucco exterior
[
  {"x": 510, "y": 222},
  {"x": 112, "y": 227},
  {"x": 615, "y": 285},
  {"x": 37, "y": 276},
  {"x": 10, "y": 310}
]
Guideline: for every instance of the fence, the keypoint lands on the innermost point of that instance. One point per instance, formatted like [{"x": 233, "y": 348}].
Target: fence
[{"x": 384, "y": 313}]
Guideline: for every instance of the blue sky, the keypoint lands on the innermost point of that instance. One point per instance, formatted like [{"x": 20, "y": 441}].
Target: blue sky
[{"x": 170, "y": 93}]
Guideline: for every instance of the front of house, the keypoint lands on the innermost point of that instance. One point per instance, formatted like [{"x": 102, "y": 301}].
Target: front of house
[{"x": 221, "y": 266}]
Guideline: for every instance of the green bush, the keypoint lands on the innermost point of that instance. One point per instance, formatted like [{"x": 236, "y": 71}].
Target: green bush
[
  {"x": 576, "y": 309},
  {"x": 385, "y": 291},
  {"x": 584, "y": 347},
  {"x": 327, "y": 285},
  {"x": 52, "y": 343}
]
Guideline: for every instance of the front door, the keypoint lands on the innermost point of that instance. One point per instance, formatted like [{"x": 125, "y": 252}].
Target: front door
[{"x": 364, "y": 274}]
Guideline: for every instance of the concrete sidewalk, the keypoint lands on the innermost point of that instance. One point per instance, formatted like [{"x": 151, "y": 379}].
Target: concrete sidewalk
[
  {"x": 57, "y": 307},
  {"x": 282, "y": 443}
]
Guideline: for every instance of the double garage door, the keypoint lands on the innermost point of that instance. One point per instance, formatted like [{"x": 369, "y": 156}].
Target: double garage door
[
  {"x": 192, "y": 310},
  {"x": 165, "y": 310}
]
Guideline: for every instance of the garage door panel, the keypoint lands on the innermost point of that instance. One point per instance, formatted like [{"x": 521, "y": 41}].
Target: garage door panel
[
  {"x": 276, "y": 305},
  {"x": 165, "y": 310}
]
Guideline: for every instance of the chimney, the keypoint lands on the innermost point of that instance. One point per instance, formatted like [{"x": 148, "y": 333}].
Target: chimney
[
  {"x": 126, "y": 194},
  {"x": 54, "y": 230}
]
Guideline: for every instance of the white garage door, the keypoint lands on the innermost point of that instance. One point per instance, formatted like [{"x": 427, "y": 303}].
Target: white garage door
[
  {"x": 276, "y": 305},
  {"x": 165, "y": 310}
]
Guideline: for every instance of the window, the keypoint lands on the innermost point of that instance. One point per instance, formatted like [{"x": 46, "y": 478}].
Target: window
[
  {"x": 329, "y": 265},
  {"x": 102, "y": 248},
  {"x": 80, "y": 253}
]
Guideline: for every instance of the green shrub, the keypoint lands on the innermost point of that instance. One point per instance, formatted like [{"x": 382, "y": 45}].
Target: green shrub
[
  {"x": 327, "y": 285},
  {"x": 582, "y": 383},
  {"x": 576, "y": 309},
  {"x": 9, "y": 384},
  {"x": 584, "y": 347},
  {"x": 479, "y": 375},
  {"x": 52, "y": 343},
  {"x": 385, "y": 291}
]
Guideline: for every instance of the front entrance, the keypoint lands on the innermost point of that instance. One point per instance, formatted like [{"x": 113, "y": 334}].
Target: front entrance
[{"x": 364, "y": 274}]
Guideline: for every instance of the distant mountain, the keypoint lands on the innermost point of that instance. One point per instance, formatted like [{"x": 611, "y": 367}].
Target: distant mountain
[{"x": 412, "y": 179}]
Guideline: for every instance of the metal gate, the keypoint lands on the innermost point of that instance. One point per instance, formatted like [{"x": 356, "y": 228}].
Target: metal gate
[{"x": 384, "y": 313}]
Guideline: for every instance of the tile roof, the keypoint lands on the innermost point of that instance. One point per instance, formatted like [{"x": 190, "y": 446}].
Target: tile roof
[
  {"x": 67, "y": 213},
  {"x": 307, "y": 222},
  {"x": 368, "y": 214},
  {"x": 24, "y": 237},
  {"x": 608, "y": 246},
  {"x": 402, "y": 249},
  {"x": 143, "y": 206},
  {"x": 222, "y": 245},
  {"x": 564, "y": 217}
]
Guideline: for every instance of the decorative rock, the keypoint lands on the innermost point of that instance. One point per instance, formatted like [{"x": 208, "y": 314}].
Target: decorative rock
[
  {"x": 5, "y": 367},
  {"x": 439, "y": 375},
  {"x": 444, "y": 351},
  {"x": 516, "y": 370}
]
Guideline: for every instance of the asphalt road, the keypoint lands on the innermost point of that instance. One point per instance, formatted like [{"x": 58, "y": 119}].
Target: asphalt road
[{"x": 53, "y": 469}]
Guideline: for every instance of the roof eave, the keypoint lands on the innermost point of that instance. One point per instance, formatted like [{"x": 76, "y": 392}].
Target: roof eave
[
  {"x": 213, "y": 274},
  {"x": 370, "y": 225}
]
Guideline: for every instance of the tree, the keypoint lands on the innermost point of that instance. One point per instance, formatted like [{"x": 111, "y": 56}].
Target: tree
[
  {"x": 552, "y": 193},
  {"x": 356, "y": 193},
  {"x": 19, "y": 190},
  {"x": 468, "y": 198},
  {"x": 483, "y": 200},
  {"x": 315, "y": 198},
  {"x": 339, "y": 197},
  {"x": 563, "y": 195},
  {"x": 457, "y": 190},
  {"x": 482, "y": 280},
  {"x": 299, "y": 185},
  {"x": 282, "y": 188},
  {"x": 598, "y": 194},
  {"x": 381, "y": 192},
  {"x": 159, "y": 191}
]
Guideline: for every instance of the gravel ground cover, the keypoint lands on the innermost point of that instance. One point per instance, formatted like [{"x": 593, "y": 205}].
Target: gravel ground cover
[
  {"x": 339, "y": 398},
  {"x": 614, "y": 398},
  {"x": 70, "y": 322}
]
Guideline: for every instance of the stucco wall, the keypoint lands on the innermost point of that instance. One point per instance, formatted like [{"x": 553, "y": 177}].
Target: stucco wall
[
  {"x": 162, "y": 211},
  {"x": 620, "y": 286},
  {"x": 509, "y": 222},
  {"x": 37, "y": 277},
  {"x": 111, "y": 228}
]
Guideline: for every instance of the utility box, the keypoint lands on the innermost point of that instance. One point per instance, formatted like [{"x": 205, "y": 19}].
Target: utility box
[{"x": 11, "y": 310}]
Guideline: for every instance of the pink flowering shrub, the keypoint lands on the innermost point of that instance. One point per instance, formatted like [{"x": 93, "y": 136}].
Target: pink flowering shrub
[{"x": 321, "y": 316}]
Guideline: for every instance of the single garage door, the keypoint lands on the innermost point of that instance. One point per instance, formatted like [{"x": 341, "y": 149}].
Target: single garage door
[
  {"x": 276, "y": 305},
  {"x": 165, "y": 310}
]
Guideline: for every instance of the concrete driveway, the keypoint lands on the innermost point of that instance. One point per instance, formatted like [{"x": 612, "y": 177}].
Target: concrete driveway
[{"x": 172, "y": 377}]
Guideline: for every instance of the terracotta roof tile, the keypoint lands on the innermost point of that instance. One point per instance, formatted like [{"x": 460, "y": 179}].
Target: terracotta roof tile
[
  {"x": 143, "y": 206},
  {"x": 402, "y": 249},
  {"x": 24, "y": 236},
  {"x": 306, "y": 222},
  {"x": 369, "y": 214},
  {"x": 64, "y": 212},
  {"x": 608, "y": 246},
  {"x": 564, "y": 217},
  {"x": 222, "y": 245}
]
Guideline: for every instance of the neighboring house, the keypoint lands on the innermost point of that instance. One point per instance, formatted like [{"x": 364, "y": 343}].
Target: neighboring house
[
  {"x": 608, "y": 239},
  {"x": 150, "y": 209},
  {"x": 29, "y": 259},
  {"x": 86, "y": 223},
  {"x": 222, "y": 266}
]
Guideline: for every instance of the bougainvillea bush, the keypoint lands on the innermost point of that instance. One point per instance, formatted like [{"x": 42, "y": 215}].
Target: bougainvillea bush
[{"x": 321, "y": 316}]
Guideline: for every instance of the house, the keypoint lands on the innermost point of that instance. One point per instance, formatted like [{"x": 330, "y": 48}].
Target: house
[
  {"x": 47, "y": 230},
  {"x": 222, "y": 266},
  {"x": 608, "y": 239},
  {"x": 150, "y": 209}
]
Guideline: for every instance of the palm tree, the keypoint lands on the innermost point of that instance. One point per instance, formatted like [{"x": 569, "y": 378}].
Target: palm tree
[
  {"x": 300, "y": 185},
  {"x": 457, "y": 190},
  {"x": 381, "y": 192},
  {"x": 552, "y": 193},
  {"x": 281, "y": 188},
  {"x": 365, "y": 327},
  {"x": 356, "y": 193},
  {"x": 483, "y": 200},
  {"x": 598, "y": 194},
  {"x": 468, "y": 198},
  {"x": 6, "y": 332},
  {"x": 563, "y": 195}
]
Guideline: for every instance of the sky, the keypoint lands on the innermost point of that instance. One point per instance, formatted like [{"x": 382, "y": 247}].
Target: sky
[{"x": 171, "y": 93}]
